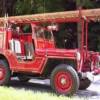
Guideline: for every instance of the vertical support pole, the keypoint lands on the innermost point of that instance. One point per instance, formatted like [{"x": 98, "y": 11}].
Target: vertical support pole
[
  {"x": 82, "y": 46},
  {"x": 87, "y": 37}
]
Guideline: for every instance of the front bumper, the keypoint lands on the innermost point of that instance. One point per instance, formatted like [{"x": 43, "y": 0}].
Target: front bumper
[{"x": 92, "y": 76}]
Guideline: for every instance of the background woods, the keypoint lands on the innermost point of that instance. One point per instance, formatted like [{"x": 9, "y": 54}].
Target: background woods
[{"x": 18, "y": 7}]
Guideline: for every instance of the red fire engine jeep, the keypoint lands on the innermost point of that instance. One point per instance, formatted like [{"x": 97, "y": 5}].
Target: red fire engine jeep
[{"x": 27, "y": 49}]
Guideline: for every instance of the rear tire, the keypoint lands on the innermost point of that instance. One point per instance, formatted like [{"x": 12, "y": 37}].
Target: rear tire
[
  {"x": 64, "y": 80},
  {"x": 4, "y": 73}
]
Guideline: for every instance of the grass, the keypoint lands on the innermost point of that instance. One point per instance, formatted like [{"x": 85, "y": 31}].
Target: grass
[{"x": 16, "y": 94}]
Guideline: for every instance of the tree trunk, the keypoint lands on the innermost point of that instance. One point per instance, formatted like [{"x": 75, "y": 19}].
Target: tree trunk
[
  {"x": 2, "y": 8},
  {"x": 7, "y": 6}
]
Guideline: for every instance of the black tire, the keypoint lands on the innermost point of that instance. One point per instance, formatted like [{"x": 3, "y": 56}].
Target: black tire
[
  {"x": 84, "y": 83},
  {"x": 5, "y": 70},
  {"x": 67, "y": 71},
  {"x": 23, "y": 78}
]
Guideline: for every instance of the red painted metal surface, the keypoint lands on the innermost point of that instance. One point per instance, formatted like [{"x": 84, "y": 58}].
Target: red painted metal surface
[{"x": 63, "y": 82}]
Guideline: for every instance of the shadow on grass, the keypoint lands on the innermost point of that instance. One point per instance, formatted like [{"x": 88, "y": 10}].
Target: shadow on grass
[{"x": 35, "y": 87}]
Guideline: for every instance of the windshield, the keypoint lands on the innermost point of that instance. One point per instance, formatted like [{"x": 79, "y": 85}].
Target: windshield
[
  {"x": 43, "y": 33},
  {"x": 48, "y": 35}
]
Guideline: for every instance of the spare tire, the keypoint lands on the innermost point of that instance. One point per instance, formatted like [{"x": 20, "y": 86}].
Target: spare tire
[{"x": 84, "y": 83}]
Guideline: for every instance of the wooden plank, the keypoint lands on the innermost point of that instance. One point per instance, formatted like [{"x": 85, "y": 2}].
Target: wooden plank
[{"x": 93, "y": 13}]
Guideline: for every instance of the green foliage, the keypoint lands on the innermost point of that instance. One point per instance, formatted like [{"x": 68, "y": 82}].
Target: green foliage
[
  {"x": 38, "y": 6},
  {"x": 85, "y": 3},
  {"x": 24, "y": 7},
  {"x": 41, "y": 6},
  {"x": 54, "y": 5},
  {"x": 88, "y": 4}
]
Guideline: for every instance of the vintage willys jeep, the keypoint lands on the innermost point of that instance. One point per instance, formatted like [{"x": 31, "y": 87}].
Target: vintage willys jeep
[{"x": 27, "y": 49}]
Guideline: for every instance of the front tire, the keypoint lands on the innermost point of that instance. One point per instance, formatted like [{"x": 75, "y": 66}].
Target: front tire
[{"x": 64, "y": 80}]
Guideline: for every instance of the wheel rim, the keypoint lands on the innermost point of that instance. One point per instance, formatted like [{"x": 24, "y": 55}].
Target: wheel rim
[
  {"x": 2, "y": 73},
  {"x": 63, "y": 82}
]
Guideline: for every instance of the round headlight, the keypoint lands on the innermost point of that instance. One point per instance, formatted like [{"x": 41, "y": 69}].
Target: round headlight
[
  {"x": 99, "y": 58},
  {"x": 78, "y": 56}
]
